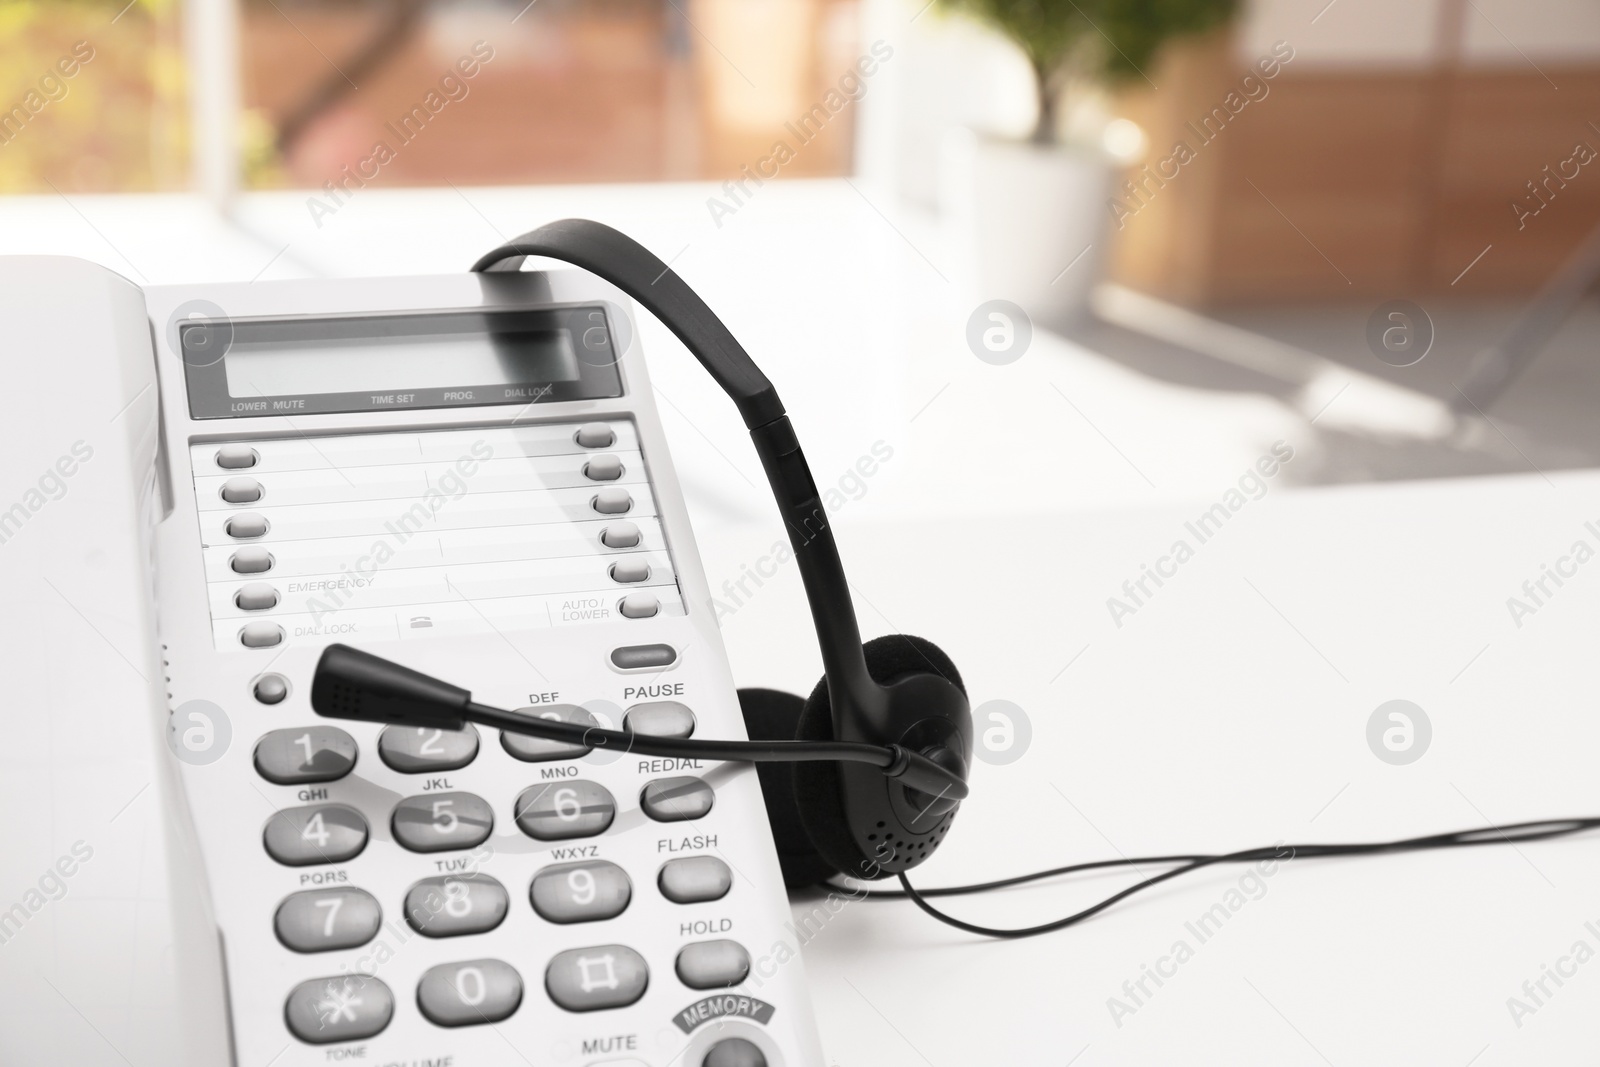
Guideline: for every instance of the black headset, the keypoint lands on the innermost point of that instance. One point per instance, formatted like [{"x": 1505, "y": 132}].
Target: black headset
[{"x": 863, "y": 778}]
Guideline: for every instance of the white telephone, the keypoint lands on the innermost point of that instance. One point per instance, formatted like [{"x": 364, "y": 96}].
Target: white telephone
[{"x": 467, "y": 474}]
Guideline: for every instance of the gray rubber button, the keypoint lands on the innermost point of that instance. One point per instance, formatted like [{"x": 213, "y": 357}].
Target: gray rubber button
[
  {"x": 713, "y": 964},
  {"x": 250, "y": 525},
  {"x": 589, "y": 979},
  {"x": 233, "y": 457},
  {"x": 580, "y": 892},
  {"x": 595, "y": 435},
  {"x": 639, "y": 606},
  {"x": 241, "y": 490},
  {"x": 677, "y": 799},
  {"x": 344, "y": 1007},
  {"x": 271, "y": 688},
  {"x": 251, "y": 560},
  {"x": 540, "y": 749},
  {"x": 734, "y": 1052},
  {"x": 439, "y": 822},
  {"x": 638, "y": 657},
  {"x": 416, "y": 749},
  {"x": 261, "y": 635},
  {"x": 320, "y": 920},
  {"x": 612, "y": 501},
  {"x": 555, "y": 811},
  {"x": 607, "y": 468},
  {"x": 466, "y": 994},
  {"x": 694, "y": 879},
  {"x": 256, "y": 597},
  {"x": 630, "y": 570},
  {"x": 305, "y": 754},
  {"x": 453, "y": 905},
  {"x": 660, "y": 718},
  {"x": 316, "y": 833},
  {"x": 621, "y": 535}
]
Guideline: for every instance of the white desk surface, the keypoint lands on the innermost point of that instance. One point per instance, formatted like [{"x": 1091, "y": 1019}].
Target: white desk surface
[{"x": 1229, "y": 712}]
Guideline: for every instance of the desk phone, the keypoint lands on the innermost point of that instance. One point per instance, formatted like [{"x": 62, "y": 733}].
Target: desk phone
[{"x": 465, "y": 474}]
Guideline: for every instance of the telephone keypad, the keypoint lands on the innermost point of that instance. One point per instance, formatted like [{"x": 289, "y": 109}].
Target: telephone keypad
[
  {"x": 320, "y": 920},
  {"x": 558, "y": 811},
  {"x": 420, "y": 749},
  {"x": 470, "y": 993},
  {"x": 580, "y": 892},
  {"x": 439, "y": 822},
  {"x": 316, "y": 833},
  {"x": 304, "y": 755},
  {"x": 453, "y": 905}
]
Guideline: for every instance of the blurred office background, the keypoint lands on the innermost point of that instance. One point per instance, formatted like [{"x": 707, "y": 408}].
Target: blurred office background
[{"x": 1348, "y": 162}]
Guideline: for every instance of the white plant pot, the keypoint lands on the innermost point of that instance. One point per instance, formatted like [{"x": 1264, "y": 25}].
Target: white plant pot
[{"x": 1029, "y": 222}]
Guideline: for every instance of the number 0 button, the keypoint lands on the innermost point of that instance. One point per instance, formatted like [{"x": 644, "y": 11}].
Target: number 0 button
[
  {"x": 556, "y": 811},
  {"x": 437, "y": 822},
  {"x": 317, "y": 833},
  {"x": 462, "y": 994}
]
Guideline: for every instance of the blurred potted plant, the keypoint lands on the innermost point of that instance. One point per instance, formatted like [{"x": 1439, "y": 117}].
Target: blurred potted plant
[{"x": 1025, "y": 211}]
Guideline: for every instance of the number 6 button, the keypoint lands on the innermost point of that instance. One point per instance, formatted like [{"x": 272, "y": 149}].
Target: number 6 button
[
  {"x": 559, "y": 810},
  {"x": 436, "y": 822}
]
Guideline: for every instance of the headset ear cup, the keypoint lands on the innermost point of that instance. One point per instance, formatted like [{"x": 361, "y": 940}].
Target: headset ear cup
[
  {"x": 818, "y": 789},
  {"x": 772, "y": 715}
]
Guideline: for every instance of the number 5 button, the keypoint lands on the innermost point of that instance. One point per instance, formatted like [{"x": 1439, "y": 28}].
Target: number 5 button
[
  {"x": 436, "y": 822},
  {"x": 559, "y": 810}
]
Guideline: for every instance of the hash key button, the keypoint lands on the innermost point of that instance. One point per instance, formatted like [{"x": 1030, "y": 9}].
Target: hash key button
[
  {"x": 344, "y": 1007},
  {"x": 316, "y": 833},
  {"x": 589, "y": 979},
  {"x": 310, "y": 754}
]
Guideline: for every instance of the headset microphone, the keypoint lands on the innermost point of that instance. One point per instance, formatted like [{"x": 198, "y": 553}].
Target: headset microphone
[{"x": 352, "y": 684}]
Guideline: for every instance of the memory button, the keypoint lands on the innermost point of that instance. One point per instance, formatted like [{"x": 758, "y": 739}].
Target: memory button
[
  {"x": 628, "y": 571},
  {"x": 605, "y": 468},
  {"x": 250, "y": 525},
  {"x": 256, "y": 597},
  {"x": 235, "y": 457},
  {"x": 620, "y": 535},
  {"x": 251, "y": 560},
  {"x": 613, "y": 501},
  {"x": 241, "y": 490},
  {"x": 595, "y": 435}
]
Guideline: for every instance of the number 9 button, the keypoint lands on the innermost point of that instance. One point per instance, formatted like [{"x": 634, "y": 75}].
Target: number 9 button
[{"x": 580, "y": 892}]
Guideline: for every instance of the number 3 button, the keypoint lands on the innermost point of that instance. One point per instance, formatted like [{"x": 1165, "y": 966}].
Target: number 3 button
[{"x": 436, "y": 822}]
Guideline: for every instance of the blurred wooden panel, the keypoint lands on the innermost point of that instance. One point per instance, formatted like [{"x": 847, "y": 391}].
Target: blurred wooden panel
[{"x": 1361, "y": 183}]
